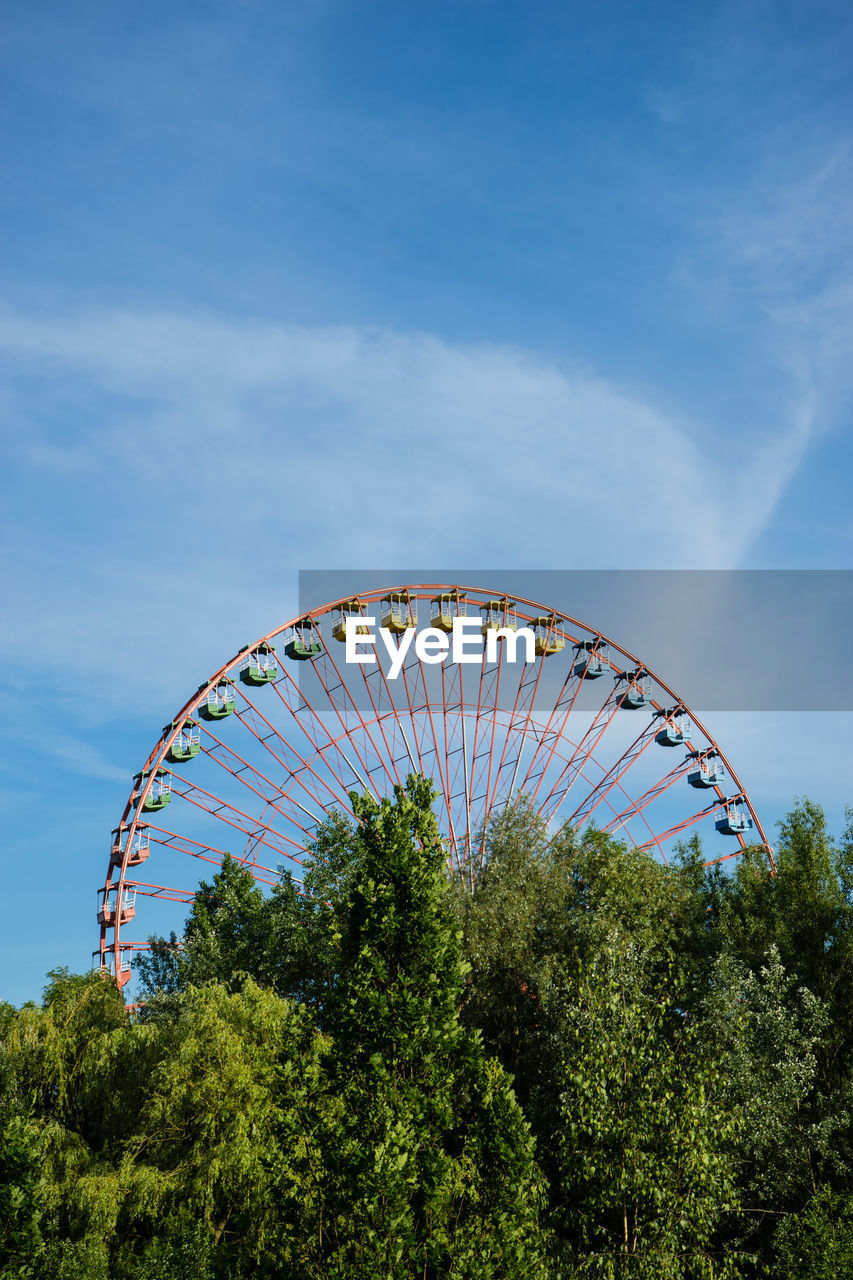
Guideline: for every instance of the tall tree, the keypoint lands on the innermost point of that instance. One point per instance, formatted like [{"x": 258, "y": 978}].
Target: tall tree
[
  {"x": 432, "y": 1170},
  {"x": 645, "y": 1180}
]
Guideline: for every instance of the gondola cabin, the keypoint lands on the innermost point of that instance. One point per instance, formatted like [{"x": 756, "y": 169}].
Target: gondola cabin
[
  {"x": 498, "y": 613},
  {"x": 638, "y": 691},
  {"x": 125, "y": 969},
  {"x": 186, "y": 744},
  {"x": 443, "y": 609},
  {"x": 221, "y": 701},
  {"x": 592, "y": 659},
  {"x": 707, "y": 772},
  {"x": 159, "y": 793},
  {"x": 675, "y": 729},
  {"x": 547, "y": 640},
  {"x": 259, "y": 666},
  {"x": 734, "y": 819},
  {"x": 302, "y": 641},
  {"x": 352, "y": 609},
  {"x": 137, "y": 850},
  {"x": 398, "y": 612},
  {"x": 109, "y": 913}
]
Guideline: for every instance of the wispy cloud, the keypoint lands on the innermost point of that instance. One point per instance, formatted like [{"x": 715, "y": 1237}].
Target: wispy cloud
[
  {"x": 31, "y": 736},
  {"x": 460, "y": 432},
  {"x": 209, "y": 459}
]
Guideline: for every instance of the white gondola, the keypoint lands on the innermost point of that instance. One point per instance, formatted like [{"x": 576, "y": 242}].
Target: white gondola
[
  {"x": 137, "y": 850},
  {"x": 110, "y": 912}
]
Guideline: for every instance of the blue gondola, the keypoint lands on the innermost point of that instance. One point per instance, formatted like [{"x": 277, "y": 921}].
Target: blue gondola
[
  {"x": 734, "y": 819},
  {"x": 592, "y": 659},
  {"x": 638, "y": 693},
  {"x": 676, "y": 727},
  {"x": 707, "y": 772}
]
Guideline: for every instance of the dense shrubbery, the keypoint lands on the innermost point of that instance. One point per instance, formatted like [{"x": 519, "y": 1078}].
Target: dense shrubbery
[{"x": 587, "y": 1065}]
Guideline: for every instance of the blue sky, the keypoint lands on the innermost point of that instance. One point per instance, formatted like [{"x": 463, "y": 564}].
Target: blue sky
[{"x": 331, "y": 284}]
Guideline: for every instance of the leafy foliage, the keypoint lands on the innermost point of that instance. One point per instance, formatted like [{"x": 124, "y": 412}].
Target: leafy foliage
[
  {"x": 430, "y": 1131},
  {"x": 581, "y": 1064}
]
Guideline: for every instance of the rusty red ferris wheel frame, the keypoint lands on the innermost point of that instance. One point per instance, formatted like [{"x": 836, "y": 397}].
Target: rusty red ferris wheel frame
[{"x": 248, "y": 755}]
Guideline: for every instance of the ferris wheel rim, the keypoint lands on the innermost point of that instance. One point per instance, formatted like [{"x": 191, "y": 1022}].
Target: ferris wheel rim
[{"x": 132, "y": 818}]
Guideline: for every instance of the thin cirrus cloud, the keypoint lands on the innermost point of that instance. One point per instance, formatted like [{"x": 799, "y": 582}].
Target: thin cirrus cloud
[
  {"x": 444, "y": 435},
  {"x": 207, "y": 460}
]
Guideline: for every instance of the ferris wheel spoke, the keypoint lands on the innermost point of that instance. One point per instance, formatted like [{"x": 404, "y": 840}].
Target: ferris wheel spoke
[
  {"x": 685, "y": 824},
  {"x": 346, "y": 706},
  {"x": 382, "y": 700},
  {"x": 291, "y": 760},
  {"x": 483, "y": 741},
  {"x": 488, "y": 797},
  {"x": 374, "y": 674},
  {"x": 429, "y": 742},
  {"x": 412, "y": 666},
  {"x": 609, "y": 804},
  {"x": 237, "y": 818},
  {"x": 590, "y": 740},
  {"x": 271, "y": 801},
  {"x": 163, "y": 892},
  {"x": 621, "y": 766},
  {"x": 642, "y": 802},
  {"x": 237, "y": 767},
  {"x": 306, "y": 711},
  {"x": 517, "y": 734},
  {"x": 382, "y": 707},
  {"x": 369, "y": 743},
  {"x": 176, "y": 842},
  {"x": 449, "y": 700},
  {"x": 435, "y": 745},
  {"x": 553, "y": 733},
  {"x": 456, "y": 756}
]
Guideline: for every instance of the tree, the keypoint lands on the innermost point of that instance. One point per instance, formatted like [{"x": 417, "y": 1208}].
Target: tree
[
  {"x": 431, "y": 1168},
  {"x": 645, "y": 1177},
  {"x": 817, "y": 1242},
  {"x": 224, "y": 1148},
  {"x": 282, "y": 940}
]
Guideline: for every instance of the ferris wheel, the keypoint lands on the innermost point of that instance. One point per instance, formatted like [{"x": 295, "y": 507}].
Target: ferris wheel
[{"x": 273, "y": 743}]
